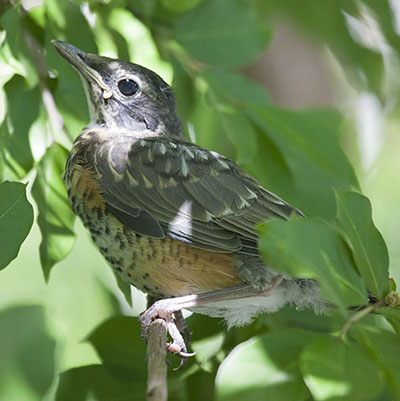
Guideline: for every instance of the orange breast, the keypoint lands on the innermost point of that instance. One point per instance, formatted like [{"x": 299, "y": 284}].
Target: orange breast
[
  {"x": 174, "y": 268},
  {"x": 87, "y": 188}
]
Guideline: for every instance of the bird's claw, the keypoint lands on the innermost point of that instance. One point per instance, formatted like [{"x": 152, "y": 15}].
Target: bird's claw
[
  {"x": 183, "y": 354},
  {"x": 162, "y": 310}
]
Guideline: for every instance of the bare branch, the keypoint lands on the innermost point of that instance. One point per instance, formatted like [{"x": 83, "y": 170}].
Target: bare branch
[{"x": 157, "y": 361}]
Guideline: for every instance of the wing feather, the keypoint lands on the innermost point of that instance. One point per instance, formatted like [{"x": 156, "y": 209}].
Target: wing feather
[{"x": 158, "y": 187}]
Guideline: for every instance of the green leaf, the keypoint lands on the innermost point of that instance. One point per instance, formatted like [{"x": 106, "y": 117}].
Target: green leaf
[
  {"x": 365, "y": 241},
  {"x": 336, "y": 371},
  {"x": 270, "y": 168},
  {"x": 309, "y": 144},
  {"x": 22, "y": 112},
  {"x": 121, "y": 348},
  {"x": 207, "y": 348},
  {"x": 68, "y": 92},
  {"x": 55, "y": 219},
  {"x": 265, "y": 367},
  {"x": 123, "y": 373},
  {"x": 15, "y": 49},
  {"x": 142, "y": 50},
  {"x": 392, "y": 315},
  {"x": 16, "y": 218},
  {"x": 200, "y": 386},
  {"x": 385, "y": 348},
  {"x": 124, "y": 286},
  {"x": 226, "y": 95},
  {"x": 236, "y": 126},
  {"x": 96, "y": 382},
  {"x": 207, "y": 128},
  {"x": 25, "y": 343},
  {"x": 312, "y": 248},
  {"x": 235, "y": 88},
  {"x": 180, "y": 6},
  {"x": 224, "y": 32},
  {"x": 184, "y": 91},
  {"x": 203, "y": 327}
]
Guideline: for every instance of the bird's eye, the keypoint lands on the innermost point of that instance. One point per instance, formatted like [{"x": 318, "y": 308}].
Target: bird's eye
[{"x": 128, "y": 87}]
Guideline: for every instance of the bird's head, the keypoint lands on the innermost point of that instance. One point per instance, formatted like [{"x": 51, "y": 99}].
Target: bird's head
[{"x": 124, "y": 96}]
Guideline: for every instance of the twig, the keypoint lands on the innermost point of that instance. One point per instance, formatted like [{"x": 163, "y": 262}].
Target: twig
[
  {"x": 358, "y": 316},
  {"x": 157, "y": 361}
]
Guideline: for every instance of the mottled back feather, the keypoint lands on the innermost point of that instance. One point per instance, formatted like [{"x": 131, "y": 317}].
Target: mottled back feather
[{"x": 162, "y": 188}]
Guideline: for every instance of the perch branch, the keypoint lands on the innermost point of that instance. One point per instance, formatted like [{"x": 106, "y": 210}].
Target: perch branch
[{"x": 157, "y": 361}]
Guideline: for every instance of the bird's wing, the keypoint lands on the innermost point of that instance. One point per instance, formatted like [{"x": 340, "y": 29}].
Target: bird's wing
[{"x": 163, "y": 188}]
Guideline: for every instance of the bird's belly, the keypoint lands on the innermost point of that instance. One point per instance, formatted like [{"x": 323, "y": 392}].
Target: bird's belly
[{"x": 162, "y": 267}]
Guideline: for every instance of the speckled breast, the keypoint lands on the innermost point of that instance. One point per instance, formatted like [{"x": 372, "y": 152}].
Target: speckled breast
[{"x": 160, "y": 267}]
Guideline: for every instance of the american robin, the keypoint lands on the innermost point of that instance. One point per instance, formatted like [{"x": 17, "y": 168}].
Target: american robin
[{"x": 172, "y": 218}]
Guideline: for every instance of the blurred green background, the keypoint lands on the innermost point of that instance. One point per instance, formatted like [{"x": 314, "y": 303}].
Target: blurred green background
[{"x": 335, "y": 55}]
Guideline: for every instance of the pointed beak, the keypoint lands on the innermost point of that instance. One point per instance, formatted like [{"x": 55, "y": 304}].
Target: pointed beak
[{"x": 78, "y": 59}]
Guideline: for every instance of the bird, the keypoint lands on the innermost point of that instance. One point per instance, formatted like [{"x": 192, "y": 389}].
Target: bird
[{"x": 173, "y": 219}]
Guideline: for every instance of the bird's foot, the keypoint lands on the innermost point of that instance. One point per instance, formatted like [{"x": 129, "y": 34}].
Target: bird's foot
[{"x": 167, "y": 310}]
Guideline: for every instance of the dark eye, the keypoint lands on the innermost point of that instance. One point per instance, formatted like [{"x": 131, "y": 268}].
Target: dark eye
[{"x": 128, "y": 87}]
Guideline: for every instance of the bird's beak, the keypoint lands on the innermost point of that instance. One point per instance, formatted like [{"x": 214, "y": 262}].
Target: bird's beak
[{"x": 77, "y": 58}]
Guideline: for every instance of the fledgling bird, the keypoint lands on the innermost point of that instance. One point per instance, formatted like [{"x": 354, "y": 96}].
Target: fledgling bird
[{"x": 175, "y": 220}]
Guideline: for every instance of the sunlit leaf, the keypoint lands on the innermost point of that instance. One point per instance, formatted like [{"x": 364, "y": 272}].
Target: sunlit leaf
[
  {"x": 23, "y": 111},
  {"x": 142, "y": 49},
  {"x": 55, "y": 219},
  {"x": 312, "y": 248},
  {"x": 366, "y": 242},
  {"x": 14, "y": 49},
  {"x": 336, "y": 371},
  {"x": 16, "y": 218},
  {"x": 265, "y": 367},
  {"x": 68, "y": 94}
]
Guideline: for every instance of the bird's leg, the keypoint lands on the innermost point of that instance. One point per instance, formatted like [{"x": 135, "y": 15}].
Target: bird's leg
[
  {"x": 185, "y": 331},
  {"x": 182, "y": 326},
  {"x": 165, "y": 308}
]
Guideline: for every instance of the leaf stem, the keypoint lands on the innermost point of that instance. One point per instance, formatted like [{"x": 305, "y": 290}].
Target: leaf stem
[{"x": 358, "y": 316}]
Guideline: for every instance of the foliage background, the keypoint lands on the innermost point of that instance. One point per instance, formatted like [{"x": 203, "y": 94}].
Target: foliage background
[{"x": 61, "y": 309}]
